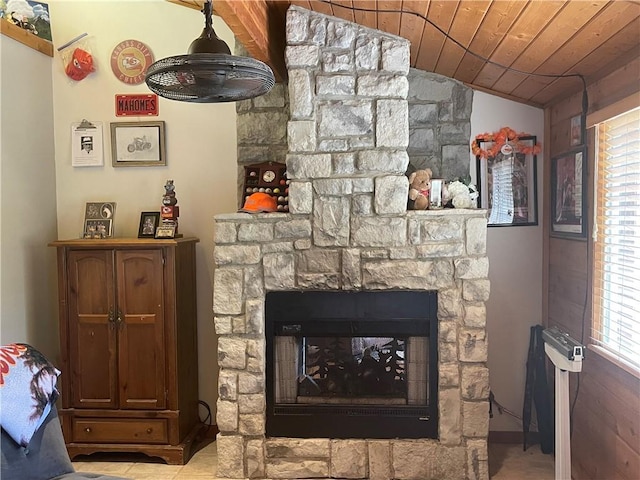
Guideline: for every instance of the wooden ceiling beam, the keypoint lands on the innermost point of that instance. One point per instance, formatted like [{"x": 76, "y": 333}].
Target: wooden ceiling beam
[
  {"x": 260, "y": 28},
  {"x": 258, "y": 25}
]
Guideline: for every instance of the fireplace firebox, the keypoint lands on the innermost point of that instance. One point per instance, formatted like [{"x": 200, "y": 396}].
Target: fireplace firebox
[{"x": 351, "y": 364}]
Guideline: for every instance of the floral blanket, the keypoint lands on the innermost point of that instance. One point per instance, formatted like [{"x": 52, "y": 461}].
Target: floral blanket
[{"x": 27, "y": 390}]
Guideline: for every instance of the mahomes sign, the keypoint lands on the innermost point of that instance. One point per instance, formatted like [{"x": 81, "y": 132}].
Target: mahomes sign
[{"x": 136, "y": 105}]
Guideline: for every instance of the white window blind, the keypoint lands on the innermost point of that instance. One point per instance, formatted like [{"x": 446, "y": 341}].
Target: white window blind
[{"x": 616, "y": 280}]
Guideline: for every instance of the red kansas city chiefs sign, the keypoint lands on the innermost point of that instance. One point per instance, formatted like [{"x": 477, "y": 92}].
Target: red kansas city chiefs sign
[{"x": 136, "y": 105}]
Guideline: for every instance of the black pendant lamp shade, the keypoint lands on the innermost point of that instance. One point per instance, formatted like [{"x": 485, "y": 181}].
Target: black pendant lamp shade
[{"x": 209, "y": 73}]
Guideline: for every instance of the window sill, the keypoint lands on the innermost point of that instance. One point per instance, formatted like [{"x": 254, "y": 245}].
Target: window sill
[{"x": 617, "y": 361}]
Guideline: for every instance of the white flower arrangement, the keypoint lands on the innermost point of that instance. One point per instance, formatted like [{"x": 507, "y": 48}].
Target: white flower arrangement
[{"x": 461, "y": 195}]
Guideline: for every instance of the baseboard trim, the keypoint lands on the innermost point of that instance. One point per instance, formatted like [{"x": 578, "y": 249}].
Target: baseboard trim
[{"x": 513, "y": 437}]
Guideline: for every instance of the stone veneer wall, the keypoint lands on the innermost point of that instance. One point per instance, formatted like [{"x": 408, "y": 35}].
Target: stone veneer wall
[
  {"x": 348, "y": 229},
  {"x": 439, "y": 126},
  {"x": 262, "y": 131}
]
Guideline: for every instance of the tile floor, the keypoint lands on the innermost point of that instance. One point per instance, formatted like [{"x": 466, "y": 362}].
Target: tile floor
[
  {"x": 506, "y": 462},
  {"x": 510, "y": 462},
  {"x": 201, "y": 465}
]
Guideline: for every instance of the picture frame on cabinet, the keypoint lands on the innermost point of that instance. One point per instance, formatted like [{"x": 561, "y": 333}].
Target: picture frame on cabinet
[
  {"x": 98, "y": 219},
  {"x": 166, "y": 231},
  {"x": 98, "y": 228},
  {"x": 138, "y": 144},
  {"x": 99, "y": 210},
  {"x": 148, "y": 223},
  {"x": 569, "y": 195}
]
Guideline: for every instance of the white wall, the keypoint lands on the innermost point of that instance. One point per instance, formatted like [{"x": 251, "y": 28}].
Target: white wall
[
  {"x": 515, "y": 268},
  {"x": 200, "y": 141},
  {"x": 27, "y": 199}
]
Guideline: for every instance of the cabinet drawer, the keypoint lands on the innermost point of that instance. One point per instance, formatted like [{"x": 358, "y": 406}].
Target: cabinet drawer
[{"x": 107, "y": 430}]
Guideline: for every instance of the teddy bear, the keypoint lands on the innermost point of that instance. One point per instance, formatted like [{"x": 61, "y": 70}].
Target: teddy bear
[{"x": 419, "y": 187}]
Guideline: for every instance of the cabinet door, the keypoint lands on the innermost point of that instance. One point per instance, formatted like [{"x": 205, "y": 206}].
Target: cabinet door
[
  {"x": 141, "y": 343},
  {"x": 92, "y": 330}
]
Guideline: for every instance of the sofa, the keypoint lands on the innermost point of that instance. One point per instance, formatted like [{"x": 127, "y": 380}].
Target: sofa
[
  {"x": 45, "y": 458},
  {"x": 32, "y": 444}
]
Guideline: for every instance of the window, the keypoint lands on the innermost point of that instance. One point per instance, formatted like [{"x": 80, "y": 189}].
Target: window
[{"x": 616, "y": 280}]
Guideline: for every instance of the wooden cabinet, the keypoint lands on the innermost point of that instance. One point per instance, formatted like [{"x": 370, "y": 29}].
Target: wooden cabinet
[{"x": 129, "y": 346}]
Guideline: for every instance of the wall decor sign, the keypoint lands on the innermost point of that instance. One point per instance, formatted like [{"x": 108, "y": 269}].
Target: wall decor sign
[
  {"x": 137, "y": 105},
  {"x": 506, "y": 165},
  {"x": 569, "y": 195},
  {"x": 130, "y": 60},
  {"x": 136, "y": 144}
]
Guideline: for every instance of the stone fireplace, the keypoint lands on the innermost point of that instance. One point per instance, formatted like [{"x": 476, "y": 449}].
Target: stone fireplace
[{"x": 348, "y": 231}]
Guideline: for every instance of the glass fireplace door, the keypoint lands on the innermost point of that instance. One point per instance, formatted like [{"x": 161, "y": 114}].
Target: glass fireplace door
[{"x": 344, "y": 363}]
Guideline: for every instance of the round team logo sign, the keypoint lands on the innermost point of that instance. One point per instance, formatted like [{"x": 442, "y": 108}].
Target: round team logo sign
[{"x": 130, "y": 60}]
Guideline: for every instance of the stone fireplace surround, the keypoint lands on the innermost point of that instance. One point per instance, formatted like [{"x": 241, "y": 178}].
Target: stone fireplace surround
[{"x": 348, "y": 229}]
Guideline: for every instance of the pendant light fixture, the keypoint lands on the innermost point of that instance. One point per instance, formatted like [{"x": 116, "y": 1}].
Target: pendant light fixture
[{"x": 209, "y": 73}]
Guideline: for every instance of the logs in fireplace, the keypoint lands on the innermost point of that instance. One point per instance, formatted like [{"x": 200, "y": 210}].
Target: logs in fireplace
[{"x": 351, "y": 364}]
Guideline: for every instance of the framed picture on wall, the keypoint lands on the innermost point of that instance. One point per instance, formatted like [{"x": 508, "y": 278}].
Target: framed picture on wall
[
  {"x": 576, "y": 130},
  {"x": 138, "y": 144},
  {"x": 569, "y": 195},
  {"x": 507, "y": 183}
]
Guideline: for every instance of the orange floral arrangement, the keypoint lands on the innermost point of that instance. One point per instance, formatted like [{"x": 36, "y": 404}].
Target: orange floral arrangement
[{"x": 499, "y": 138}]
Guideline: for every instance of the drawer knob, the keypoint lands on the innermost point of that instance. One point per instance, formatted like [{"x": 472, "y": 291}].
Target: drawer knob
[
  {"x": 149, "y": 430},
  {"x": 88, "y": 429}
]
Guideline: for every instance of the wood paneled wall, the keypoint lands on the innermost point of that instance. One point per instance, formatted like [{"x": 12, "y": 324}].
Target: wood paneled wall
[{"x": 606, "y": 419}]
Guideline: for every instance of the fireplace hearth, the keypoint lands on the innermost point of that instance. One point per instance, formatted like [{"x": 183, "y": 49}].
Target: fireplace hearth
[{"x": 351, "y": 364}]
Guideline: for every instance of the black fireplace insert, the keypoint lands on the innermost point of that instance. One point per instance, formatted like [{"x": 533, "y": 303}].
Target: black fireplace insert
[{"x": 352, "y": 364}]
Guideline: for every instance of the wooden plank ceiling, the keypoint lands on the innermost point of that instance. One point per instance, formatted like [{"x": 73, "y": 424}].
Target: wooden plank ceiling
[{"x": 469, "y": 40}]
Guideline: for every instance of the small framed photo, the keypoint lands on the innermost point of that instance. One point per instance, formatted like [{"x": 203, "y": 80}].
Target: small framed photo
[
  {"x": 569, "y": 195},
  {"x": 435, "y": 193},
  {"x": 166, "y": 231},
  {"x": 98, "y": 228},
  {"x": 98, "y": 219},
  {"x": 99, "y": 210},
  {"x": 138, "y": 144},
  {"x": 148, "y": 223},
  {"x": 576, "y": 130}
]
